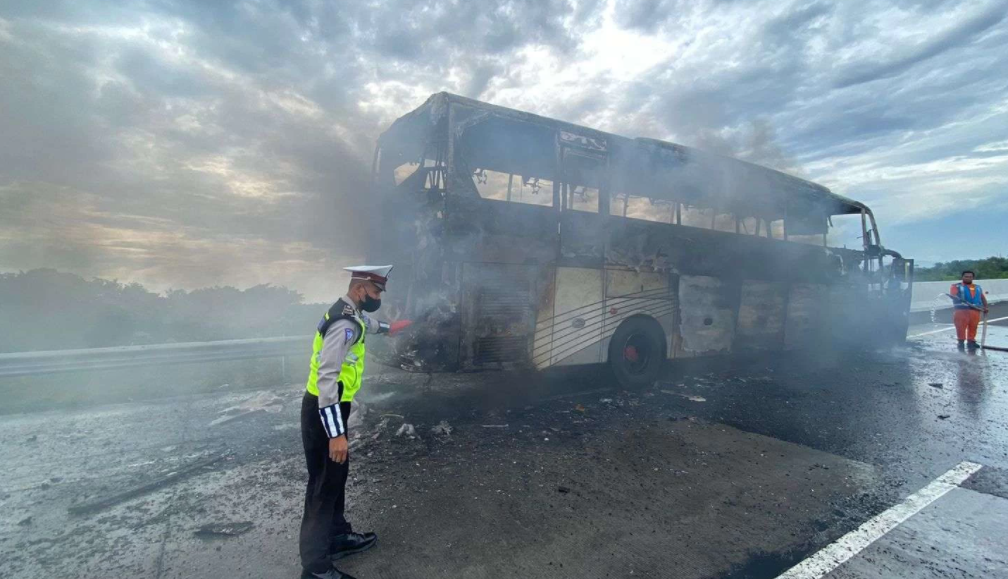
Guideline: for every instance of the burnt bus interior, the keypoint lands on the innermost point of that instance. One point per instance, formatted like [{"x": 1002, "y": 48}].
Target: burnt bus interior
[{"x": 495, "y": 213}]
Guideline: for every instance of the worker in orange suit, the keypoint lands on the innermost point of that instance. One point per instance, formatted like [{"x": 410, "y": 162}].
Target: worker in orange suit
[{"x": 969, "y": 301}]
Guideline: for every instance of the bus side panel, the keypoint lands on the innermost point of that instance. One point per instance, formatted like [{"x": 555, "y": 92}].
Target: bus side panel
[
  {"x": 847, "y": 319},
  {"x": 761, "y": 315},
  {"x": 582, "y": 239},
  {"x": 578, "y": 317},
  {"x": 498, "y": 232},
  {"x": 707, "y": 310},
  {"x": 807, "y": 315},
  {"x": 629, "y": 293},
  {"x": 542, "y": 344},
  {"x": 498, "y": 312}
]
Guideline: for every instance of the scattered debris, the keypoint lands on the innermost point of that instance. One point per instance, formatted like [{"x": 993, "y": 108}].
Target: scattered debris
[
  {"x": 935, "y": 384},
  {"x": 25, "y": 521},
  {"x": 399, "y": 416},
  {"x": 355, "y": 444},
  {"x": 406, "y": 429},
  {"x": 579, "y": 408},
  {"x": 605, "y": 400},
  {"x": 170, "y": 478},
  {"x": 943, "y": 416},
  {"x": 262, "y": 402},
  {"x": 563, "y": 490},
  {"x": 32, "y": 438},
  {"x": 494, "y": 425},
  {"x": 442, "y": 428},
  {"x": 215, "y": 530},
  {"x": 356, "y": 419},
  {"x": 427, "y": 350},
  {"x": 690, "y": 397}
]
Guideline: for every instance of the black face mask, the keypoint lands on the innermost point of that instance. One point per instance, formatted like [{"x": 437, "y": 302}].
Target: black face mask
[{"x": 370, "y": 304}]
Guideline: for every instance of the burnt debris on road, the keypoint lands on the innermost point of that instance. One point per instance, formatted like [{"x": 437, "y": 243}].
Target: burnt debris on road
[{"x": 734, "y": 469}]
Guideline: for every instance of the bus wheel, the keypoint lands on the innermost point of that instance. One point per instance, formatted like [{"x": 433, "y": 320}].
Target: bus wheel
[{"x": 637, "y": 352}]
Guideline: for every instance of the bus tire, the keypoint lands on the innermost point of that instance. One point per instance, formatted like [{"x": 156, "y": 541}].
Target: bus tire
[{"x": 637, "y": 352}]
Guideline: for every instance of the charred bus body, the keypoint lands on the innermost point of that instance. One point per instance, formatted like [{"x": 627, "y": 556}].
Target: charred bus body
[{"x": 532, "y": 242}]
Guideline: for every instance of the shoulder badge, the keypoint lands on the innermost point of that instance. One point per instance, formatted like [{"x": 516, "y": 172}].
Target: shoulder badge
[
  {"x": 348, "y": 310},
  {"x": 349, "y": 335}
]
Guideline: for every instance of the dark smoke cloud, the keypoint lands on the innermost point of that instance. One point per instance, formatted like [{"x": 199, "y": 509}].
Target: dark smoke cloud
[{"x": 185, "y": 143}]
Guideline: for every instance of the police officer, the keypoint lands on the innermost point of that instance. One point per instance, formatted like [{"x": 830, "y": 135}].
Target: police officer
[{"x": 337, "y": 366}]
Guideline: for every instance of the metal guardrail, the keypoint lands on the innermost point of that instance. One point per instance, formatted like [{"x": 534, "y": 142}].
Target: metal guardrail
[
  {"x": 55, "y": 361},
  {"x": 930, "y": 294}
]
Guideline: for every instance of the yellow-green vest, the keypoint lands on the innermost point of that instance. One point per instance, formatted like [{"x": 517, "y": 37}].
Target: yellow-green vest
[{"x": 352, "y": 371}]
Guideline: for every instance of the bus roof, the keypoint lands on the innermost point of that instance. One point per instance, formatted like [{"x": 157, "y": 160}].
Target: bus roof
[{"x": 737, "y": 181}]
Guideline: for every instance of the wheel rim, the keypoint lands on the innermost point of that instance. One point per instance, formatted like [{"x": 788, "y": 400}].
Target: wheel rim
[{"x": 637, "y": 353}]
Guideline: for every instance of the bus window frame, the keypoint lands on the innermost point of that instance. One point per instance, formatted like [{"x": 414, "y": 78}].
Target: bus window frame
[
  {"x": 564, "y": 141},
  {"x": 567, "y": 185},
  {"x": 457, "y": 155}
]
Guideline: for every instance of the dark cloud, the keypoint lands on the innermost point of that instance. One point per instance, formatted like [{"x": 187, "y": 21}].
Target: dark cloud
[
  {"x": 644, "y": 15},
  {"x": 152, "y": 74},
  {"x": 480, "y": 78},
  {"x": 755, "y": 142},
  {"x": 197, "y": 142},
  {"x": 905, "y": 58},
  {"x": 800, "y": 21}
]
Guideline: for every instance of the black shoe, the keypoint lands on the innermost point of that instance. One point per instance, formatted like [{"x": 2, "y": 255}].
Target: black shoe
[
  {"x": 960, "y": 345},
  {"x": 351, "y": 543},
  {"x": 972, "y": 345},
  {"x": 332, "y": 573}
]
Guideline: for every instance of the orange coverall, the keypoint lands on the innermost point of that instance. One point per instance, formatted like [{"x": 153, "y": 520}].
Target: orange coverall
[{"x": 966, "y": 320}]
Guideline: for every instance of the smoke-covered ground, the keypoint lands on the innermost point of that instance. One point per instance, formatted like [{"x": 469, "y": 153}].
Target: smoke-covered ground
[{"x": 731, "y": 470}]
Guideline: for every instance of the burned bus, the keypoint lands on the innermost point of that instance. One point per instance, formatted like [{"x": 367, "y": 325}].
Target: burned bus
[{"x": 523, "y": 241}]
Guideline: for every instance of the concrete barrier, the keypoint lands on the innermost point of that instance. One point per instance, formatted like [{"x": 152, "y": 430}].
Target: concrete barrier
[
  {"x": 925, "y": 293},
  {"x": 55, "y": 361}
]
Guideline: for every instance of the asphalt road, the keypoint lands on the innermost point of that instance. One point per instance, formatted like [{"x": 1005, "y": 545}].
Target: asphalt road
[{"x": 736, "y": 469}]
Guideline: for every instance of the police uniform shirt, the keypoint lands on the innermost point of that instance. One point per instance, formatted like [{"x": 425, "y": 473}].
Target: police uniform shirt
[{"x": 337, "y": 341}]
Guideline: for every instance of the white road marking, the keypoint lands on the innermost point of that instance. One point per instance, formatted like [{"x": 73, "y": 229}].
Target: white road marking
[
  {"x": 838, "y": 552},
  {"x": 952, "y": 327}
]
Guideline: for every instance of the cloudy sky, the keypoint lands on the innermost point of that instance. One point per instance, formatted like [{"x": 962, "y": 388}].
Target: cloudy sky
[{"x": 189, "y": 143}]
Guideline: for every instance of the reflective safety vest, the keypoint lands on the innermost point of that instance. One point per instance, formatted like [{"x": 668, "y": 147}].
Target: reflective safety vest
[
  {"x": 352, "y": 370},
  {"x": 964, "y": 295}
]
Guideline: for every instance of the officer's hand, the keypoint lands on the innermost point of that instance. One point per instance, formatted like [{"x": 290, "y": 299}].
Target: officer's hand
[
  {"x": 338, "y": 449},
  {"x": 986, "y": 311}
]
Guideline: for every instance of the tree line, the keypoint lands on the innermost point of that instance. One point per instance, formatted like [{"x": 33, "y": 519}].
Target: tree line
[
  {"x": 44, "y": 309},
  {"x": 989, "y": 268}
]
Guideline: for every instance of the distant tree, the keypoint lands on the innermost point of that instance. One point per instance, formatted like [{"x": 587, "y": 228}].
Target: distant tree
[
  {"x": 44, "y": 309},
  {"x": 989, "y": 268}
]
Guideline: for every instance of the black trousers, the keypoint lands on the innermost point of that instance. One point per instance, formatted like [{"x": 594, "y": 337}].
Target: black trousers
[{"x": 325, "y": 496}]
